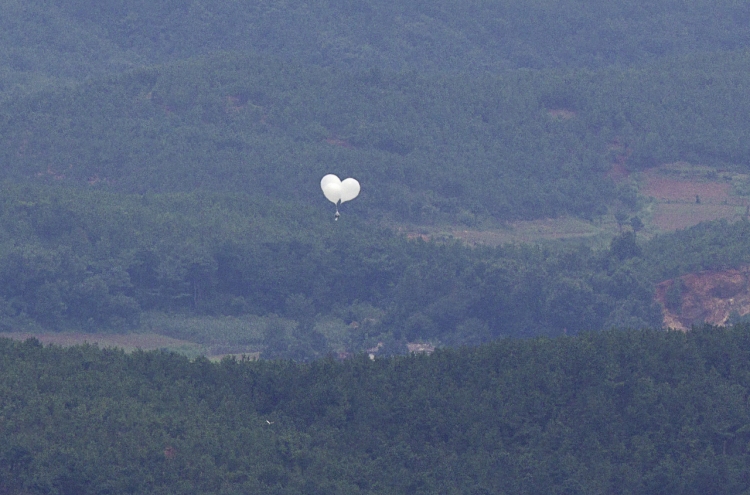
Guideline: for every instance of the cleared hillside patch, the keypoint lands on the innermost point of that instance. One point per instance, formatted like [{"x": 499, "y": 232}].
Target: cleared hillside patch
[{"x": 684, "y": 195}]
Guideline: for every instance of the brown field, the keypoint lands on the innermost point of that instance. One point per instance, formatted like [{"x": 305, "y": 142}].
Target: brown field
[
  {"x": 671, "y": 189},
  {"x": 674, "y": 216},
  {"x": 675, "y": 190}
]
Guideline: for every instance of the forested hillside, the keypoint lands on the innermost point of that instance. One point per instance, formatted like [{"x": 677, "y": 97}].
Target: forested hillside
[
  {"x": 607, "y": 412},
  {"x": 99, "y": 261},
  {"x": 73, "y": 39},
  {"x": 457, "y": 148},
  {"x": 161, "y": 162},
  {"x": 448, "y": 111}
]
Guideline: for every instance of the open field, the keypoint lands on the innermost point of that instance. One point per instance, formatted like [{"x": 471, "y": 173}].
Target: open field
[
  {"x": 669, "y": 189},
  {"x": 674, "y": 216},
  {"x": 193, "y": 336},
  {"x": 534, "y": 231},
  {"x": 682, "y": 195},
  {"x": 128, "y": 342}
]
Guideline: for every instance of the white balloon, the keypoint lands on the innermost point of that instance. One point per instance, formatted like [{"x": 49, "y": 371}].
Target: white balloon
[
  {"x": 330, "y": 178},
  {"x": 331, "y": 186},
  {"x": 333, "y": 192},
  {"x": 349, "y": 189},
  {"x": 336, "y": 190}
]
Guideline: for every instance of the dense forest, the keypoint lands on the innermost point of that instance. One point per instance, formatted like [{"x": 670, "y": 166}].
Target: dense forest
[
  {"x": 447, "y": 110},
  {"x": 74, "y": 38},
  {"x": 159, "y": 172},
  {"x": 447, "y": 148},
  {"x": 265, "y": 100},
  {"x": 608, "y": 412}
]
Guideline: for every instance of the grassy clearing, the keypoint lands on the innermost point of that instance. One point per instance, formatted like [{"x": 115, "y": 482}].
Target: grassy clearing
[
  {"x": 551, "y": 229},
  {"x": 563, "y": 229},
  {"x": 674, "y": 216},
  {"x": 218, "y": 335},
  {"x": 129, "y": 342},
  {"x": 194, "y": 336}
]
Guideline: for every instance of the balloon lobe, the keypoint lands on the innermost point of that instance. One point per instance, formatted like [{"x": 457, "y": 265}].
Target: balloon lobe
[
  {"x": 331, "y": 186},
  {"x": 349, "y": 189}
]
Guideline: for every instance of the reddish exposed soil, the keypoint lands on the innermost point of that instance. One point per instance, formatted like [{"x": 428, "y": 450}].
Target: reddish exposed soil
[
  {"x": 707, "y": 297},
  {"x": 619, "y": 172},
  {"x": 685, "y": 196}
]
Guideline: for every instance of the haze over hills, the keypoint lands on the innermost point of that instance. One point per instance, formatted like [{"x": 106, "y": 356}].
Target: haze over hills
[
  {"x": 160, "y": 165},
  {"x": 74, "y": 39}
]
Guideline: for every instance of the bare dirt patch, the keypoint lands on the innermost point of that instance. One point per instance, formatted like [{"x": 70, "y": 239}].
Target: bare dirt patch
[
  {"x": 665, "y": 188},
  {"x": 618, "y": 172},
  {"x": 705, "y": 297}
]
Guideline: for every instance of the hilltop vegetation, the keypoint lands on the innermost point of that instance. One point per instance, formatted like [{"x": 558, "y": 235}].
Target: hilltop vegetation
[{"x": 612, "y": 412}]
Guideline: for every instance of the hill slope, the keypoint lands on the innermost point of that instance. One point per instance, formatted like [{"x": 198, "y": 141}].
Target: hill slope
[
  {"x": 426, "y": 148},
  {"x": 73, "y": 39},
  {"x": 629, "y": 412}
]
